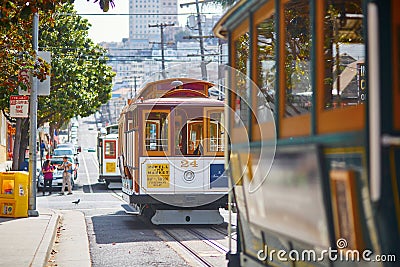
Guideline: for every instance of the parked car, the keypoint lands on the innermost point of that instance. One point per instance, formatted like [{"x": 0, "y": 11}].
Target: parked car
[
  {"x": 58, "y": 173},
  {"x": 73, "y": 137},
  {"x": 74, "y": 141},
  {"x": 70, "y": 145},
  {"x": 63, "y": 136},
  {"x": 66, "y": 151}
]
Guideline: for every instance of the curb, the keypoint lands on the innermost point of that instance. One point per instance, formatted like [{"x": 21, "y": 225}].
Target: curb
[
  {"x": 43, "y": 252},
  {"x": 74, "y": 247}
]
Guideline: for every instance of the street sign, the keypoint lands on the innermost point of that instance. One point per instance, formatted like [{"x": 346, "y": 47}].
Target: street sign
[
  {"x": 43, "y": 87},
  {"x": 19, "y": 106}
]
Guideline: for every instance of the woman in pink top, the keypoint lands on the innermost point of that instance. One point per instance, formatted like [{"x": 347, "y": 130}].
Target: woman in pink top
[{"x": 47, "y": 171}]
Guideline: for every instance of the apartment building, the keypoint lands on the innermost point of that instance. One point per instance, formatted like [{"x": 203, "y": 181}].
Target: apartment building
[{"x": 145, "y": 12}]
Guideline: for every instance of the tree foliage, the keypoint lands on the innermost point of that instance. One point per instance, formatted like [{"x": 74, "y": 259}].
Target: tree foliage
[
  {"x": 105, "y": 4},
  {"x": 15, "y": 40},
  {"x": 81, "y": 80}
]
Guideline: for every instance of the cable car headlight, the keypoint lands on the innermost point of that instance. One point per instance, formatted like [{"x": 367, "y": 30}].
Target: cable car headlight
[{"x": 188, "y": 176}]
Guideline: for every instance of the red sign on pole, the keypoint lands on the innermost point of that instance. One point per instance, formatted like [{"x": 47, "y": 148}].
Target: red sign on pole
[{"x": 19, "y": 106}]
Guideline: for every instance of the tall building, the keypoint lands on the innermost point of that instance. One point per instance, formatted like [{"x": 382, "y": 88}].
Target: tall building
[{"x": 147, "y": 12}]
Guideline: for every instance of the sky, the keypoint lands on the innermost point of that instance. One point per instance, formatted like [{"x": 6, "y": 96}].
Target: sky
[{"x": 107, "y": 27}]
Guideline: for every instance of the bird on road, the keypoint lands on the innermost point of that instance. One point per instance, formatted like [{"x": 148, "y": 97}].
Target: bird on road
[{"x": 76, "y": 202}]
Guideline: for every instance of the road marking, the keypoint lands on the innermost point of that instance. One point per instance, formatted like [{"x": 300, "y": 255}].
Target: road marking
[
  {"x": 116, "y": 195},
  {"x": 87, "y": 174},
  {"x": 95, "y": 161}
]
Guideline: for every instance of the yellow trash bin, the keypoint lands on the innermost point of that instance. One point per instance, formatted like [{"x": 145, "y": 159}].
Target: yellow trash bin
[{"x": 14, "y": 189}]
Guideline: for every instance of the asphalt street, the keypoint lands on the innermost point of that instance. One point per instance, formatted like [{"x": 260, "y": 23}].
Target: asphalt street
[{"x": 115, "y": 238}]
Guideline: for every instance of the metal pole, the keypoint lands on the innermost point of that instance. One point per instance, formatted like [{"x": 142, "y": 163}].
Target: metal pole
[
  {"x": 162, "y": 26},
  {"x": 131, "y": 91},
  {"x": 203, "y": 63},
  {"x": 33, "y": 124},
  {"x": 135, "y": 84},
  {"x": 162, "y": 51}
]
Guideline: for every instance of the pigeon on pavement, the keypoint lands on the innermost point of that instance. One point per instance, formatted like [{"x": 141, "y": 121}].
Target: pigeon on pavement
[{"x": 76, "y": 202}]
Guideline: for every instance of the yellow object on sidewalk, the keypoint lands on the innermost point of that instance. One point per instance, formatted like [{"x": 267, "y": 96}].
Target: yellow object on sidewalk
[{"x": 14, "y": 189}]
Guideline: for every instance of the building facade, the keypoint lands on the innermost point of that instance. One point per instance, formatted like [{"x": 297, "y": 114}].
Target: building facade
[{"x": 145, "y": 12}]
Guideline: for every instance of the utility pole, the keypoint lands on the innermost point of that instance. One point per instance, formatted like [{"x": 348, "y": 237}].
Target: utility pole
[
  {"x": 33, "y": 124},
  {"x": 162, "y": 26},
  {"x": 135, "y": 85},
  {"x": 134, "y": 80},
  {"x": 203, "y": 63}
]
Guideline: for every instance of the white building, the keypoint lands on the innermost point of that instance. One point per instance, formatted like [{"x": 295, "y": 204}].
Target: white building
[{"x": 147, "y": 12}]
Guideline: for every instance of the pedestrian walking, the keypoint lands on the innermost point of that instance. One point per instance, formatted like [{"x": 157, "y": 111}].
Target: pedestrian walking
[
  {"x": 47, "y": 170},
  {"x": 67, "y": 166},
  {"x": 42, "y": 149}
]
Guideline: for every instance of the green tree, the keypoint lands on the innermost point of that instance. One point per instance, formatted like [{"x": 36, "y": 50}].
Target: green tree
[
  {"x": 17, "y": 54},
  {"x": 80, "y": 79}
]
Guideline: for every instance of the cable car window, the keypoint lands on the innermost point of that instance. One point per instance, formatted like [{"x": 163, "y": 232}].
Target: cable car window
[
  {"x": 266, "y": 71},
  {"x": 195, "y": 137},
  {"x": 110, "y": 149},
  {"x": 180, "y": 131},
  {"x": 156, "y": 132},
  {"x": 241, "y": 74},
  {"x": 344, "y": 50},
  {"x": 216, "y": 138},
  {"x": 297, "y": 57}
]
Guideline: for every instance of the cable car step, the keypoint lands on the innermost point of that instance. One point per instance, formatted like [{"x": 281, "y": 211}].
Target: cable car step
[
  {"x": 130, "y": 210},
  {"x": 115, "y": 185}
]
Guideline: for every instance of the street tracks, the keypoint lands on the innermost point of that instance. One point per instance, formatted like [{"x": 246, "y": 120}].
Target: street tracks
[{"x": 204, "y": 245}]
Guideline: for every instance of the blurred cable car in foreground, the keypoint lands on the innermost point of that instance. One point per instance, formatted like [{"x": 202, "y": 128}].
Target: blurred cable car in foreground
[{"x": 315, "y": 131}]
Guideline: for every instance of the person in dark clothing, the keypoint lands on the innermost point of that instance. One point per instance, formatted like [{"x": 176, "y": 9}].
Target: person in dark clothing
[{"x": 42, "y": 149}]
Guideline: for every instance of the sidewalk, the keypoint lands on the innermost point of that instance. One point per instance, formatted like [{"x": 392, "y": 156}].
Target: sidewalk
[{"x": 29, "y": 241}]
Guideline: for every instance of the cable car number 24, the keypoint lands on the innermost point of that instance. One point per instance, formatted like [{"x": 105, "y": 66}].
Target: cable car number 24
[{"x": 187, "y": 163}]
